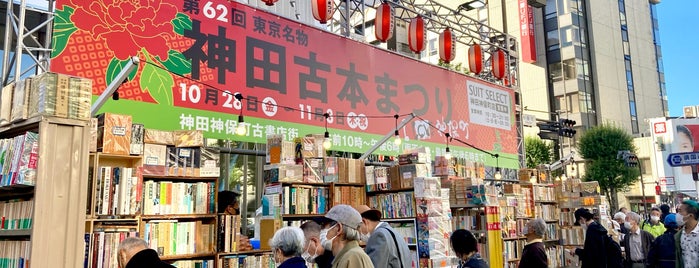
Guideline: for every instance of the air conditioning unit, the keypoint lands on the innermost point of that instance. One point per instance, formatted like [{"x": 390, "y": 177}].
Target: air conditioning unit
[{"x": 690, "y": 111}]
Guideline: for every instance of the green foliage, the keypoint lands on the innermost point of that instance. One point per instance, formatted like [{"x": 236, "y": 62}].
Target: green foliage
[
  {"x": 158, "y": 83},
  {"x": 114, "y": 68},
  {"x": 537, "y": 151},
  {"x": 63, "y": 27},
  {"x": 599, "y": 146},
  {"x": 181, "y": 22}
]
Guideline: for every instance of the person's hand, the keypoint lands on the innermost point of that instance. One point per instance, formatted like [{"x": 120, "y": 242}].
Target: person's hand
[{"x": 578, "y": 251}]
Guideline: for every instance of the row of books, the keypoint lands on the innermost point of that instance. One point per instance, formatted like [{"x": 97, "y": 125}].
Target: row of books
[
  {"x": 394, "y": 205},
  {"x": 15, "y": 254},
  {"x": 544, "y": 193},
  {"x": 551, "y": 231},
  {"x": 349, "y": 195},
  {"x": 117, "y": 191},
  {"x": 525, "y": 205},
  {"x": 101, "y": 246},
  {"x": 20, "y": 159},
  {"x": 513, "y": 249},
  {"x": 305, "y": 200},
  {"x": 170, "y": 237},
  {"x": 166, "y": 197},
  {"x": 228, "y": 232},
  {"x": 468, "y": 219},
  {"x": 572, "y": 236},
  {"x": 16, "y": 215},
  {"x": 547, "y": 212},
  {"x": 246, "y": 261},
  {"x": 553, "y": 254},
  {"x": 406, "y": 229},
  {"x": 194, "y": 264}
]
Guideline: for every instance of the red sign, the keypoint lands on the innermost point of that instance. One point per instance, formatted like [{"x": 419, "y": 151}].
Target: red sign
[
  {"x": 526, "y": 32},
  {"x": 286, "y": 71},
  {"x": 659, "y": 128}
]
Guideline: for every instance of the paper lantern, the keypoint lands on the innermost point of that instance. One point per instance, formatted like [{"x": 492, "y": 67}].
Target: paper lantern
[
  {"x": 447, "y": 48},
  {"x": 383, "y": 24},
  {"x": 498, "y": 60},
  {"x": 269, "y": 2},
  {"x": 416, "y": 34},
  {"x": 322, "y": 10},
  {"x": 475, "y": 59}
]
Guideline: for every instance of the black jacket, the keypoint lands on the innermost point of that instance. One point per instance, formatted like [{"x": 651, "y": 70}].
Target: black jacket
[
  {"x": 593, "y": 254},
  {"x": 325, "y": 260},
  {"x": 534, "y": 256},
  {"x": 147, "y": 258},
  {"x": 646, "y": 241},
  {"x": 295, "y": 262},
  {"x": 662, "y": 251}
]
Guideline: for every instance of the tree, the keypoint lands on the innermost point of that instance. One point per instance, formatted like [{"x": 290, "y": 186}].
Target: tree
[
  {"x": 537, "y": 151},
  {"x": 599, "y": 146}
]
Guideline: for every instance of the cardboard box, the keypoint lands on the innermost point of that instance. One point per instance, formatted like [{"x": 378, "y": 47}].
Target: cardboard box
[
  {"x": 62, "y": 95},
  {"x": 313, "y": 170},
  {"x": 114, "y": 133},
  {"x": 79, "y": 104},
  {"x": 20, "y": 100},
  {"x": 189, "y": 138},
  {"x": 6, "y": 105},
  {"x": 154, "y": 159},
  {"x": 93, "y": 135},
  {"x": 208, "y": 164},
  {"x": 290, "y": 173},
  {"x": 137, "y": 132},
  {"x": 42, "y": 98},
  {"x": 331, "y": 170},
  {"x": 394, "y": 175},
  {"x": 153, "y": 136},
  {"x": 410, "y": 172}
]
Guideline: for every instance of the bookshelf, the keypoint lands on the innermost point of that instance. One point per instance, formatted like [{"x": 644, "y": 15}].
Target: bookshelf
[{"x": 44, "y": 196}]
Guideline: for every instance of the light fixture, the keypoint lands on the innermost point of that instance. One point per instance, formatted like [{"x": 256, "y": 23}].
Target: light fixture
[
  {"x": 498, "y": 174},
  {"x": 292, "y": 3},
  {"x": 397, "y": 140},
  {"x": 240, "y": 129},
  {"x": 471, "y": 5},
  {"x": 327, "y": 143},
  {"x": 447, "y": 153}
]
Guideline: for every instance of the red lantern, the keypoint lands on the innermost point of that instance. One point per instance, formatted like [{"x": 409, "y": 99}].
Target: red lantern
[
  {"x": 269, "y": 2},
  {"x": 475, "y": 59},
  {"x": 383, "y": 24},
  {"x": 447, "y": 48},
  {"x": 498, "y": 59},
  {"x": 322, "y": 10},
  {"x": 416, "y": 35}
]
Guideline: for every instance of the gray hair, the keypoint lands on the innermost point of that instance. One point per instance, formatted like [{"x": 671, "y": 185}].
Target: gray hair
[
  {"x": 289, "y": 240},
  {"x": 311, "y": 229},
  {"x": 620, "y": 216},
  {"x": 131, "y": 243},
  {"x": 539, "y": 226},
  {"x": 351, "y": 234},
  {"x": 634, "y": 217}
]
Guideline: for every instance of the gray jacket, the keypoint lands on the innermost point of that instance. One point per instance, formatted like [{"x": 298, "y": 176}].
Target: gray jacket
[{"x": 382, "y": 250}]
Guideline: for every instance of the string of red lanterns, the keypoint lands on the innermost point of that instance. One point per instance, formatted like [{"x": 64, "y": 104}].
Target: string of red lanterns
[
  {"x": 322, "y": 10},
  {"x": 447, "y": 48},
  {"x": 416, "y": 34}
]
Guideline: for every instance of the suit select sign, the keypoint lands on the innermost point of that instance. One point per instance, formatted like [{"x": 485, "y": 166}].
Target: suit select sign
[{"x": 197, "y": 54}]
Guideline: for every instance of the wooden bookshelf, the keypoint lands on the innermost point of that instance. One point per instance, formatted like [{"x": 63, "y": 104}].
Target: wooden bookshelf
[
  {"x": 390, "y": 191},
  {"x": 513, "y": 238},
  {"x": 300, "y": 216},
  {"x": 178, "y": 178},
  {"x": 188, "y": 256},
  {"x": 177, "y": 216},
  {"x": 15, "y": 233},
  {"x": 247, "y": 252}
]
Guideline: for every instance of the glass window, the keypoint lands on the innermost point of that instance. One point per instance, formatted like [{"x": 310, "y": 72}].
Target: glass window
[
  {"x": 627, "y": 49},
  {"x": 629, "y": 78},
  {"x": 555, "y": 72},
  {"x": 622, "y": 8},
  {"x": 433, "y": 47},
  {"x": 569, "y": 69},
  {"x": 550, "y": 9},
  {"x": 552, "y": 37},
  {"x": 634, "y": 125},
  {"x": 627, "y": 64},
  {"x": 632, "y": 107},
  {"x": 242, "y": 174},
  {"x": 624, "y": 34}
]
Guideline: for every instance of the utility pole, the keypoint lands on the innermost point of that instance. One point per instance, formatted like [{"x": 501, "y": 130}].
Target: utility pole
[{"x": 631, "y": 160}]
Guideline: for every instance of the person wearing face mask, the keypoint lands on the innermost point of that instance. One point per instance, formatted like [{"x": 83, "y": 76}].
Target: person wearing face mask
[
  {"x": 133, "y": 252},
  {"x": 662, "y": 251},
  {"x": 687, "y": 238},
  {"x": 385, "y": 246},
  {"x": 228, "y": 204},
  {"x": 654, "y": 226},
  {"x": 637, "y": 242},
  {"x": 594, "y": 252},
  {"x": 465, "y": 246},
  {"x": 340, "y": 235},
  {"x": 620, "y": 217},
  {"x": 287, "y": 246},
  {"x": 313, "y": 250},
  {"x": 534, "y": 253}
]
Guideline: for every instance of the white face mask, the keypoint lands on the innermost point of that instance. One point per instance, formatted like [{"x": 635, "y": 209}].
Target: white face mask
[
  {"x": 324, "y": 241},
  {"x": 679, "y": 219},
  {"x": 654, "y": 219},
  {"x": 308, "y": 257},
  {"x": 627, "y": 225},
  {"x": 525, "y": 230},
  {"x": 364, "y": 237}
]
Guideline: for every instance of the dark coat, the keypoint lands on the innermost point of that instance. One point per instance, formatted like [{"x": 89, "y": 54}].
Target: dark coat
[
  {"x": 534, "y": 256},
  {"x": 325, "y": 260},
  {"x": 593, "y": 253},
  {"x": 476, "y": 261},
  {"x": 147, "y": 258},
  {"x": 646, "y": 241},
  {"x": 662, "y": 251},
  {"x": 295, "y": 262}
]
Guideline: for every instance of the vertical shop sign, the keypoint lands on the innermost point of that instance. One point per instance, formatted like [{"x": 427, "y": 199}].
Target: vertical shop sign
[{"x": 526, "y": 32}]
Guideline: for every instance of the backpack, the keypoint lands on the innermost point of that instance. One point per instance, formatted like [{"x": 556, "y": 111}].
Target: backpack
[{"x": 614, "y": 259}]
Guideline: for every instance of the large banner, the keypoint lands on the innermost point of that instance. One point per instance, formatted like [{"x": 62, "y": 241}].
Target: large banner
[
  {"x": 196, "y": 54},
  {"x": 675, "y": 136}
]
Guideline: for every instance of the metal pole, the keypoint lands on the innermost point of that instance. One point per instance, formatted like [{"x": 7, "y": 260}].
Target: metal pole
[
  {"x": 387, "y": 137},
  {"x": 643, "y": 190},
  {"x": 695, "y": 177}
]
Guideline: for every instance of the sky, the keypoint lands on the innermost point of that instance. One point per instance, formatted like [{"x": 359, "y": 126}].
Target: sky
[{"x": 679, "y": 40}]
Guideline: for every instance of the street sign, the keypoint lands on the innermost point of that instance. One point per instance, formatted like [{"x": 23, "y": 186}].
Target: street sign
[{"x": 683, "y": 159}]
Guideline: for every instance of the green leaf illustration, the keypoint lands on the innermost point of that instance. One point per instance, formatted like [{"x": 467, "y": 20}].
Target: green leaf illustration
[
  {"x": 181, "y": 22},
  {"x": 177, "y": 63},
  {"x": 62, "y": 29},
  {"x": 115, "y": 66},
  {"x": 158, "y": 83}
]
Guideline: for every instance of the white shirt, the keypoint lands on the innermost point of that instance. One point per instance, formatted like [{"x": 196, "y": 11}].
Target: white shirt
[
  {"x": 690, "y": 247},
  {"x": 635, "y": 251}
]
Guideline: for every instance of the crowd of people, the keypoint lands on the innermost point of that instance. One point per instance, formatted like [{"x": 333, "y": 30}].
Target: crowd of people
[{"x": 664, "y": 240}]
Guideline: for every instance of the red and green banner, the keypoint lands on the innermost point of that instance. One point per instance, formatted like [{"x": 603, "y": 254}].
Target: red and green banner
[{"x": 195, "y": 54}]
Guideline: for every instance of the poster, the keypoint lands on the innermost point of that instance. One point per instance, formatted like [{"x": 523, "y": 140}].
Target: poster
[
  {"x": 195, "y": 55},
  {"x": 675, "y": 136}
]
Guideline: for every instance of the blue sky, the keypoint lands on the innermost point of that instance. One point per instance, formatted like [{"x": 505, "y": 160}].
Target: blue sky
[{"x": 679, "y": 38}]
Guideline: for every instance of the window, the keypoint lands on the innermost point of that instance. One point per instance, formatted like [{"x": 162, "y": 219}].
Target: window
[
  {"x": 569, "y": 69},
  {"x": 433, "y": 47},
  {"x": 629, "y": 78},
  {"x": 632, "y": 107},
  {"x": 552, "y": 38},
  {"x": 622, "y": 8},
  {"x": 550, "y": 9},
  {"x": 624, "y": 34},
  {"x": 555, "y": 72}
]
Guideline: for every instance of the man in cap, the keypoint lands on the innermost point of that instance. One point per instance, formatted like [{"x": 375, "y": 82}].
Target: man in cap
[
  {"x": 340, "y": 234},
  {"x": 385, "y": 246}
]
